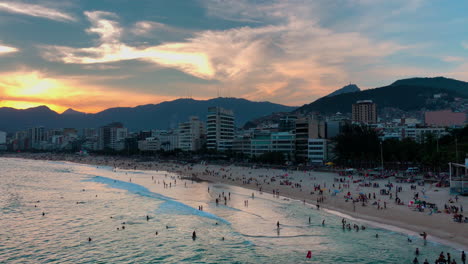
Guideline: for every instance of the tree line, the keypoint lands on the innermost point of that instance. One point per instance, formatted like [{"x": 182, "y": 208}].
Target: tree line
[{"x": 360, "y": 146}]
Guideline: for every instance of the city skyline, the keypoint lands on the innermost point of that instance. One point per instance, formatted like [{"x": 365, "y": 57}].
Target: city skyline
[{"x": 91, "y": 56}]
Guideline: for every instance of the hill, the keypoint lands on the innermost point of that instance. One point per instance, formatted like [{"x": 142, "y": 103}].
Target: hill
[
  {"x": 153, "y": 116},
  {"x": 457, "y": 86},
  {"x": 351, "y": 88},
  {"x": 401, "y": 96}
]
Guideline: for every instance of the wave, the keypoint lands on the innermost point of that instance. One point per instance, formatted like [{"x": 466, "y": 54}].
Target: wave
[{"x": 169, "y": 206}]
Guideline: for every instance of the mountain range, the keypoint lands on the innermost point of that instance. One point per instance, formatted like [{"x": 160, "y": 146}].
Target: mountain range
[
  {"x": 408, "y": 95},
  {"x": 413, "y": 94},
  {"x": 152, "y": 116}
]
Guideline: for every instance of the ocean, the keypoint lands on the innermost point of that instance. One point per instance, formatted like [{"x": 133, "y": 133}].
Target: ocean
[{"x": 112, "y": 208}]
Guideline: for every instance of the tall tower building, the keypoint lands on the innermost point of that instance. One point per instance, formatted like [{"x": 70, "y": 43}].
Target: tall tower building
[
  {"x": 365, "y": 112},
  {"x": 219, "y": 128},
  {"x": 191, "y": 134},
  {"x": 112, "y": 136},
  {"x": 36, "y": 135}
]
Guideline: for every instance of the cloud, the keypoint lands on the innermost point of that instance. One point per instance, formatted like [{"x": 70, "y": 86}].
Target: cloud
[
  {"x": 289, "y": 57},
  {"x": 35, "y": 11},
  {"x": 465, "y": 44},
  {"x": 27, "y": 88},
  {"x": 453, "y": 59},
  {"x": 143, "y": 28},
  {"x": 7, "y": 49}
]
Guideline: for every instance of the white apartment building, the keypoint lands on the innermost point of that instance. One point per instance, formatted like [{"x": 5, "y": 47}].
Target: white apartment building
[
  {"x": 190, "y": 134},
  {"x": 317, "y": 150},
  {"x": 169, "y": 140},
  {"x": 219, "y": 128},
  {"x": 149, "y": 144}
]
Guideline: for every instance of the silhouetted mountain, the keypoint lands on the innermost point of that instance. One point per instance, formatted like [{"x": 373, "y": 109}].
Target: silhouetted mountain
[
  {"x": 153, "y": 116},
  {"x": 437, "y": 82},
  {"x": 71, "y": 111},
  {"x": 397, "y": 95},
  {"x": 350, "y": 88}
]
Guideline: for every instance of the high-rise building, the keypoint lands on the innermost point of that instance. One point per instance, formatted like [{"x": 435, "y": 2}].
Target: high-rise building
[
  {"x": 191, "y": 134},
  {"x": 306, "y": 128},
  {"x": 219, "y": 128},
  {"x": 112, "y": 136},
  {"x": 364, "y": 112},
  {"x": 36, "y": 135},
  {"x": 2, "y": 137}
]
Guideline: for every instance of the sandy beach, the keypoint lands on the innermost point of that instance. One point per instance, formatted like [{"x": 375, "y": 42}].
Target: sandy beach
[{"x": 303, "y": 185}]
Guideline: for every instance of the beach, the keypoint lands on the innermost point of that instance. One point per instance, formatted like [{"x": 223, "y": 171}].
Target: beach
[{"x": 439, "y": 226}]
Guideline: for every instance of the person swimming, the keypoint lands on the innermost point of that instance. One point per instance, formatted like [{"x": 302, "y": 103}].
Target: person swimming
[
  {"x": 194, "y": 235},
  {"x": 89, "y": 239}
]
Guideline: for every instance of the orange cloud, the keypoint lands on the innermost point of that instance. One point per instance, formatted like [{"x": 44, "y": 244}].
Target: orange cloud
[{"x": 26, "y": 89}]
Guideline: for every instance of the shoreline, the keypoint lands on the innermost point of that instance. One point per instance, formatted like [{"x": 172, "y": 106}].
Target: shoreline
[{"x": 439, "y": 226}]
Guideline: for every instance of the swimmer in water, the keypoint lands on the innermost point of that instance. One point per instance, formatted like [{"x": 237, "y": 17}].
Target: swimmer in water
[
  {"x": 194, "y": 235},
  {"x": 376, "y": 235},
  {"x": 417, "y": 252},
  {"x": 147, "y": 217},
  {"x": 89, "y": 239}
]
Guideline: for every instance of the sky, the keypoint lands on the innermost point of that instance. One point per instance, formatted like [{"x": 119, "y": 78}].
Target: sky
[{"x": 91, "y": 55}]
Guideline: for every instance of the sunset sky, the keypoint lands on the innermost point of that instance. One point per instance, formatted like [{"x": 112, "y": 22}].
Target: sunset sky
[{"x": 90, "y": 55}]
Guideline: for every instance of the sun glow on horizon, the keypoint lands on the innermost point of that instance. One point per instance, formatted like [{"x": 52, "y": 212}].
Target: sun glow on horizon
[
  {"x": 26, "y": 105},
  {"x": 26, "y": 89}
]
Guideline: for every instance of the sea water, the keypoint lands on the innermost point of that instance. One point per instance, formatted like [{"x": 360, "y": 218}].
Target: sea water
[{"x": 85, "y": 201}]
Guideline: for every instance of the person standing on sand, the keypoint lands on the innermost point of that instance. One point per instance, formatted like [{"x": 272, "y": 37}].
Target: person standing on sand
[{"x": 278, "y": 224}]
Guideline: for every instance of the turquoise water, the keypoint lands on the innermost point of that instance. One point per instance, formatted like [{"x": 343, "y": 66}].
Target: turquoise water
[{"x": 81, "y": 201}]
